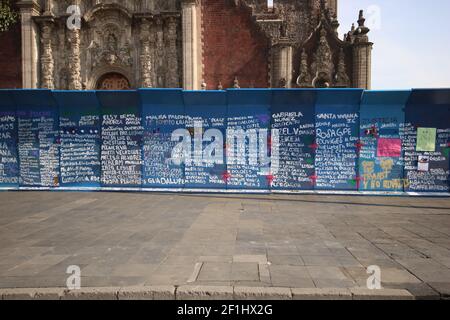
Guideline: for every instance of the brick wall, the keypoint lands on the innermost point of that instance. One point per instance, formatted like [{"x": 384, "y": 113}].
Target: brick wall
[
  {"x": 11, "y": 58},
  {"x": 232, "y": 46}
]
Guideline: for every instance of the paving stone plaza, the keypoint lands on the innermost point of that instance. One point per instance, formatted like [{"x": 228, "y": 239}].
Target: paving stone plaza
[{"x": 283, "y": 241}]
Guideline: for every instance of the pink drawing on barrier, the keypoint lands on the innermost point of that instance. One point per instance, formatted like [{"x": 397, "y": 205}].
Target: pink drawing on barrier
[{"x": 389, "y": 148}]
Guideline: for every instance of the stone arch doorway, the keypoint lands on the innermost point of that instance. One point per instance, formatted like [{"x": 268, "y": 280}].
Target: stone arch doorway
[{"x": 113, "y": 81}]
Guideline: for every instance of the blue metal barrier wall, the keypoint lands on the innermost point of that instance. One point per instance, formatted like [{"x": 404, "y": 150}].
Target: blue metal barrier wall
[
  {"x": 162, "y": 114},
  {"x": 80, "y": 139},
  {"x": 293, "y": 114},
  {"x": 206, "y": 122},
  {"x": 381, "y": 157},
  {"x": 245, "y": 140},
  {"x": 9, "y": 164},
  {"x": 38, "y": 143},
  {"x": 427, "y": 115},
  {"x": 249, "y": 112},
  {"x": 337, "y": 139},
  {"x": 122, "y": 135}
]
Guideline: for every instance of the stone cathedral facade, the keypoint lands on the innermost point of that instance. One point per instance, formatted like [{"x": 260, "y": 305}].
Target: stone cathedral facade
[{"x": 193, "y": 44}]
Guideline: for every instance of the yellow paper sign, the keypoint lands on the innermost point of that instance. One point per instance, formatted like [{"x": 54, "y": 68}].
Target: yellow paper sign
[{"x": 426, "y": 139}]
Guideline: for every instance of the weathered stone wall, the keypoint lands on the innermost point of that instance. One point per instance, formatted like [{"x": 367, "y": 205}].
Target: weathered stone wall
[
  {"x": 188, "y": 43},
  {"x": 233, "y": 46}
]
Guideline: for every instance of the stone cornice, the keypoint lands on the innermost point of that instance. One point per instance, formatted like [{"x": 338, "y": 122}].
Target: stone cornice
[
  {"x": 105, "y": 7},
  {"x": 284, "y": 42},
  {"x": 153, "y": 15},
  {"x": 44, "y": 19},
  {"x": 32, "y": 5},
  {"x": 185, "y": 2}
]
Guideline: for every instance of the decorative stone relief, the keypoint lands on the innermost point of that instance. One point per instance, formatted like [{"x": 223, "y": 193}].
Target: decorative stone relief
[
  {"x": 110, "y": 51},
  {"x": 107, "y": 44},
  {"x": 47, "y": 61},
  {"x": 323, "y": 67},
  {"x": 236, "y": 83},
  {"x": 146, "y": 63},
  {"x": 341, "y": 78},
  {"x": 295, "y": 20},
  {"x": 160, "y": 54},
  {"x": 114, "y": 38},
  {"x": 304, "y": 80},
  {"x": 289, "y": 19},
  {"x": 74, "y": 62},
  {"x": 173, "y": 76}
]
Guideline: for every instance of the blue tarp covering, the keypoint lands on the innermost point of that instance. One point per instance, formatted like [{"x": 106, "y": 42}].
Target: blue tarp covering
[{"x": 245, "y": 140}]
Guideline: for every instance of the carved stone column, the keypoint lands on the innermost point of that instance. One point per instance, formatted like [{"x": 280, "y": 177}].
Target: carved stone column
[
  {"x": 362, "y": 55},
  {"x": 74, "y": 62},
  {"x": 146, "y": 5},
  {"x": 30, "y": 43},
  {"x": 342, "y": 80},
  {"x": 282, "y": 67},
  {"x": 160, "y": 54},
  {"x": 48, "y": 7},
  {"x": 304, "y": 79},
  {"x": 323, "y": 66},
  {"x": 172, "y": 57},
  {"x": 47, "y": 61},
  {"x": 191, "y": 45},
  {"x": 146, "y": 63}
]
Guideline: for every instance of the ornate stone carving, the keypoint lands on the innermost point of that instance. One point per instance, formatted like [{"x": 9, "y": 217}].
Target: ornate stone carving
[
  {"x": 160, "y": 54},
  {"x": 110, "y": 53},
  {"x": 236, "y": 83},
  {"x": 47, "y": 61},
  {"x": 113, "y": 38},
  {"x": 112, "y": 44},
  {"x": 74, "y": 62},
  {"x": 289, "y": 19},
  {"x": 48, "y": 7},
  {"x": 304, "y": 80},
  {"x": 96, "y": 53},
  {"x": 341, "y": 78},
  {"x": 173, "y": 77},
  {"x": 146, "y": 63},
  {"x": 323, "y": 67},
  {"x": 295, "y": 20},
  {"x": 125, "y": 55}
]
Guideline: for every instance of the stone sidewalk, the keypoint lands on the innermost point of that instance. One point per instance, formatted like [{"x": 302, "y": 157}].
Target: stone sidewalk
[
  {"x": 204, "y": 293},
  {"x": 283, "y": 241}
]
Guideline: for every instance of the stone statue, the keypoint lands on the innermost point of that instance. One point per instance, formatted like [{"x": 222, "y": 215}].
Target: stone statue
[
  {"x": 323, "y": 66},
  {"x": 304, "y": 80}
]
